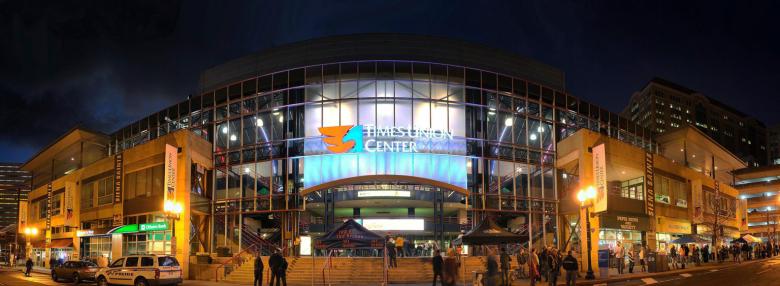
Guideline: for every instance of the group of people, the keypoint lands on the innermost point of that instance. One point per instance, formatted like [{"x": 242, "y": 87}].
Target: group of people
[
  {"x": 278, "y": 267},
  {"x": 407, "y": 248},
  {"x": 547, "y": 265},
  {"x": 446, "y": 268},
  {"x": 628, "y": 256}
]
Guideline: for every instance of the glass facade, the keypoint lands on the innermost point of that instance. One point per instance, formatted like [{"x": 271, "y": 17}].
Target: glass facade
[{"x": 268, "y": 149}]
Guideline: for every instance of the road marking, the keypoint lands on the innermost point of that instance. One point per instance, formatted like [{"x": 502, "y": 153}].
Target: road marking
[
  {"x": 714, "y": 270},
  {"x": 686, "y": 275},
  {"x": 649, "y": 281},
  {"x": 762, "y": 272}
]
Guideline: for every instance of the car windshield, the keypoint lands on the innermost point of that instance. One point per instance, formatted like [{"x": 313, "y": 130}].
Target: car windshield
[{"x": 88, "y": 264}]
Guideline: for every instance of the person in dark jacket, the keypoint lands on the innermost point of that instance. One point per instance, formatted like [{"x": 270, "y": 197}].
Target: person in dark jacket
[
  {"x": 569, "y": 264},
  {"x": 28, "y": 266},
  {"x": 391, "y": 254},
  {"x": 281, "y": 272},
  {"x": 553, "y": 266},
  {"x": 273, "y": 264},
  {"x": 437, "y": 263},
  {"x": 258, "y": 271},
  {"x": 491, "y": 273},
  {"x": 505, "y": 260}
]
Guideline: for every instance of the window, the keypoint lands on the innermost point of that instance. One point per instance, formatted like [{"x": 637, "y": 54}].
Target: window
[
  {"x": 42, "y": 206},
  {"x": 633, "y": 189},
  {"x": 56, "y": 204},
  {"x": 147, "y": 261},
  {"x": 96, "y": 246},
  {"x": 131, "y": 261},
  {"x": 167, "y": 261},
  {"x": 87, "y": 195},
  {"x": 117, "y": 263},
  {"x": 144, "y": 183},
  {"x": 105, "y": 190}
]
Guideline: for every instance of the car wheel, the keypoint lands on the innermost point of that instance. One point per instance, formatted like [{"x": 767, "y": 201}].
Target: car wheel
[
  {"x": 141, "y": 282},
  {"x": 54, "y": 276},
  {"x": 76, "y": 279},
  {"x": 101, "y": 281}
]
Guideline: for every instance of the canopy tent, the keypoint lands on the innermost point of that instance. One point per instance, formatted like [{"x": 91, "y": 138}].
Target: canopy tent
[
  {"x": 488, "y": 232},
  {"x": 350, "y": 235},
  {"x": 739, "y": 240},
  {"x": 751, "y": 239},
  {"x": 685, "y": 239}
]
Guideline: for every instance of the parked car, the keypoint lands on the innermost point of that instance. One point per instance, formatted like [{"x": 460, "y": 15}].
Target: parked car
[
  {"x": 75, "y": 271},
  {"x": 141, "y": 270}
]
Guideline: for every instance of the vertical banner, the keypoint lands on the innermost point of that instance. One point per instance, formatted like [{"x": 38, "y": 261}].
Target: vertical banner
[
  {"x": 698, "y": 201},
  {"x": 22, "y": 215},
  {"x": 118, "y": 172},
  {"x": 49, "y": 205},
  {"x": 171, "y": 164},
  {"x": 70, "y": 189},
  {"x": 600, "y": 177},
  {"x": 649, "y": 185}
]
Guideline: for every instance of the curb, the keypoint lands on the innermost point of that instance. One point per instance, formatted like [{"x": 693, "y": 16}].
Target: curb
[{"x": 673, "y": 272}]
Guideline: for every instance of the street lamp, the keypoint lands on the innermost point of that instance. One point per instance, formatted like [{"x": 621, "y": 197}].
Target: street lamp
[
  {"x": 584, "y": 196},
  {"x": 172, "y": 210}
]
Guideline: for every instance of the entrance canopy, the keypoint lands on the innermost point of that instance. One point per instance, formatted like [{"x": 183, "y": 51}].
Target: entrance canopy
[
  {"x": 350, "y": 235},
  {"x": 489, "y": 233}
]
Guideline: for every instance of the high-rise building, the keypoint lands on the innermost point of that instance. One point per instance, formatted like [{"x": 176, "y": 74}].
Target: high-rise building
[
  {"x": 773, "y": 143},
  {"x": 13, "y": 186},
  {"x": 662, "y": 106}
]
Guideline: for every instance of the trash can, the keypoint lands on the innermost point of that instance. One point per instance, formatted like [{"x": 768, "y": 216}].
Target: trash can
[{"x": 650, "y": 260}]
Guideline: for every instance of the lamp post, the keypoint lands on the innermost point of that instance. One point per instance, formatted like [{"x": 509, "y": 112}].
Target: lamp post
[
  {"x": 583, "y": 196},
  {"x": 172, "y": 210},
  {"x": 28, "y": 232}
]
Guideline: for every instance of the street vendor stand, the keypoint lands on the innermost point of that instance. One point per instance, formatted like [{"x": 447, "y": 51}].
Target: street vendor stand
[
  {"x": 350, "y": 235},
  {"x": 489, "y": 233}
]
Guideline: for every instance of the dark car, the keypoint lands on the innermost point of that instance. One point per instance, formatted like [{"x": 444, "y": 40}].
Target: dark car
[{"x": 75, "y": 271}]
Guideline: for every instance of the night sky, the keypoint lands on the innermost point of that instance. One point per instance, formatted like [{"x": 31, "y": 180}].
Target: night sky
[{"x": 103, "y": 64}]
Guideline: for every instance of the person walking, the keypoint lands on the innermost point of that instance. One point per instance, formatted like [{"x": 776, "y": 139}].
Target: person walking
[
  {"x": 554, "y": 264},
  {"x": 451, "y": 265},
  {"x": 281, "y": 272},
  {"x": 630, "y": 255},
  {"x": 491, "y": 267},
  {"x": 533, "y": 267},
  {"x": 543, "y": 265},
  {"x": 569, "y": 264},
  {"x": 258, "y": 271},
  {"x": 619, "y": 256},
  {"x": 273, "y": 264},
  {"x": 673, "y": 254},
  {"x": 28, "y": 267},
  {"x": 522, "y": 259},
  {"x": 437, "y": 264},
  {"x": 706, "y": 253},
  {"x": 505, "y": 261},
  {"x": 391, "y": 254},
  {"x": 642, "y": 258}
]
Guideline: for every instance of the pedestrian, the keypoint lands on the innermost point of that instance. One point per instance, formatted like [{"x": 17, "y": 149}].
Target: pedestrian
[
  {"x": 52, "y": 261},
  {"x": 554, "y": 264},
  {"x": 642, "y": 258},
  {"x": 258, "y": 271},
  {"x": 533, "y": 267},
  {"x": 451, "y": 265},
  {"x": 569, "y": 264},
  {"x": 630, "y": 257},
  {"x": 399, "y": 246},
  {"x": 281, "y": 273},
  {"x": 706, "y": 253},
  {"x": 274, "y": 261},
  {"x": 673, "y": 254},
  {"x": 437, "y": 264},
  {"x": 543, "y": 265},
  {"x": 505, "y": 261},
  {"x": 491, "y": 267},
  {"x": 619, "y": 256},
  {"x": 522, "y": 259},
  {"x": 28, "y": 267},
  {"x": 391, "y": 254}
]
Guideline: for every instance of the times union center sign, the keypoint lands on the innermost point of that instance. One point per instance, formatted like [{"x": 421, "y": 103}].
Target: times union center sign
[{"x": 371, "y": 138}]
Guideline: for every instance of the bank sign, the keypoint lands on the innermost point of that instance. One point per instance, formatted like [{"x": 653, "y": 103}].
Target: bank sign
[{"x": 371, "y": 138}]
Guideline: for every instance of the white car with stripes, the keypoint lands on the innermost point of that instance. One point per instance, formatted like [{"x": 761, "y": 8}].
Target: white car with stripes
[{"x": 141, "y": 270}]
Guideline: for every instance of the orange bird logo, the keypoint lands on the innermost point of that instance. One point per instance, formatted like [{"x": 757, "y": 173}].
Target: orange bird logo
[{"x": 342, "y": 139}]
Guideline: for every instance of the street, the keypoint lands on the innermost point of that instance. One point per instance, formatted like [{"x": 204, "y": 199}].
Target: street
[{"x": 760, "y": 273}]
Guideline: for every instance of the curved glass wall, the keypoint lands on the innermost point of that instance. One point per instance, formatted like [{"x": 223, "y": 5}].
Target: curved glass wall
[{"x": 495, "y": 137}]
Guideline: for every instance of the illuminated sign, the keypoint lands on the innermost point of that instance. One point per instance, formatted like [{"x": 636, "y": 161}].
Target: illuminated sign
[
  {"x": 305, "y": 245},
  {"x": 86, "y": 232},
  {"x": 152, "y": 226},
  {"x": 394, "y": 224},
  {"x": 349, "y": 138},
  {"x": 395, "y": 194}
]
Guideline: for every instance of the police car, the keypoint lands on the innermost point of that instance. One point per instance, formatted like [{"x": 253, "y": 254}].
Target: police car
[{"x": 141, "y": 270}]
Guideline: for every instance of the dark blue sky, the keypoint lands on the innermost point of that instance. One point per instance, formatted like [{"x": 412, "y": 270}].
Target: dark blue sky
[{"x": 103, "y": 64}]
